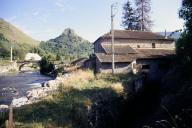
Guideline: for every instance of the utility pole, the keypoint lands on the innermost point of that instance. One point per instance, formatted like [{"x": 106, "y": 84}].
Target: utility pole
[
  {"x": 11, "y": 53},
  {"x": 142, "y": 20},
  {"x": 112, "y": 37}
]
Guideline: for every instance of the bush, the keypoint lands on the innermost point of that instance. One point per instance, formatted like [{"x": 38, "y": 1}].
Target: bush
[{"x": 46, "y": 66}]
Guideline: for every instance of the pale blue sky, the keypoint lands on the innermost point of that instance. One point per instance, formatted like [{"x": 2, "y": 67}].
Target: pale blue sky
[{"x": 46, "y": 19}]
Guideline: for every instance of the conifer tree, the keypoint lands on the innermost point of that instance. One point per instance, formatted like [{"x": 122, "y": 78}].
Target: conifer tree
[
  {"x": 143, "y": 8},
  {"x": 129, "y": 18}
]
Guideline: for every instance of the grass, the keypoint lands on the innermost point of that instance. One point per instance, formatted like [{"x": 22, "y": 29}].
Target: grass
[
  {"x": 14, "y": 34},
  {"x": 79, "y": 99},
  {"x": 4, "y": 62}
]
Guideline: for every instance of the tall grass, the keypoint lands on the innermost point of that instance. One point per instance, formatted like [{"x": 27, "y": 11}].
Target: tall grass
[{"x": 79, "y": 96}]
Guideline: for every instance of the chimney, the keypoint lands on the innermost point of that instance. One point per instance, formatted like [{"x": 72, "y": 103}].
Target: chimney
[{"x": 165, "y": 34}]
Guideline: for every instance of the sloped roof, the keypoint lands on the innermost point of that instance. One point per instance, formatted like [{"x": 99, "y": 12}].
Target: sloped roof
[
  {"x": 118, "y": 58},
  {"x": 119, "y": 49},
  {"x": 155, "y": 53},
  {"x": 127, "y": 34},
  {"x": 141, "y": 54}
]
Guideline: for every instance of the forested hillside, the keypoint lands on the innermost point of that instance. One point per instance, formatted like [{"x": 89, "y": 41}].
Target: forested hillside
[
  {"x": 12, "y": 36},
  {"x": 68, "y": 45}
]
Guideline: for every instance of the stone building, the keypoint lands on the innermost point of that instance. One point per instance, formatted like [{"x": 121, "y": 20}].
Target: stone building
[{"x": 132, "y": 49}]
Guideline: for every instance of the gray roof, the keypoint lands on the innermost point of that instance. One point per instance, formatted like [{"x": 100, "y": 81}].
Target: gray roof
[
  {"x": 119, "y": 49},
  {"x": 141, "y": 54},
  {"x": 127, "y": 34}
]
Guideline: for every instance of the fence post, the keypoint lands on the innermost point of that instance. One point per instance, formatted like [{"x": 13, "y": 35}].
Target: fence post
[{"x": 10, "y": 122}]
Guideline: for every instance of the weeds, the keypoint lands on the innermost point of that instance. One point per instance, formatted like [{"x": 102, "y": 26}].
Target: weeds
[
  {"x": 180, "y": 120},
  {"x": 81, "y": 101}
]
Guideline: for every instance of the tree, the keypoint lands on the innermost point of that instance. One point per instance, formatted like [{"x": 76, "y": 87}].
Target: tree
[
  {"x": 143, "y": 8},
  {"x": 186, "y": 14},
  {"x": 184, "y": 44},
  {"x": 129, "y": 18}
]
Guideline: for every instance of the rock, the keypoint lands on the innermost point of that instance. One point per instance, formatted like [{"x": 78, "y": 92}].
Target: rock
[
  {"x": 36, "y": 94},
  {"x": 3, "y": 108},
  {"x": 45, "y": 84},
  {"x": 19, "y": 102},
  {"x": 53, "y": 84}
]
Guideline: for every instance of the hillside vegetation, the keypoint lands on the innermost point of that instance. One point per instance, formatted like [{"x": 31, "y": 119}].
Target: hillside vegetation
[
  {"x": 20, "y": 42},
  {"x": 68, "y": 45},
  {"x": 13, "y": 34}
]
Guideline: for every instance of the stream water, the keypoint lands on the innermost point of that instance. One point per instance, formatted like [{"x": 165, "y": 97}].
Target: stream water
[{"x": 16, "y": 85}]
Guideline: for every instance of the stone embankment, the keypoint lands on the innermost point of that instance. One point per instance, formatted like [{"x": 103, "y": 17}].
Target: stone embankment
[{"x": 8, "y": 67}]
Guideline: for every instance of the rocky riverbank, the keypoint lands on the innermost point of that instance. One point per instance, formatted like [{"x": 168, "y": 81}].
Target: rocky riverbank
[
  {"x": 37, "y": 94},
  {"x": 23, "y": 88}
]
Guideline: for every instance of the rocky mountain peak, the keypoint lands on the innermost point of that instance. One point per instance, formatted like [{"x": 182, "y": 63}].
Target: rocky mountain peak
[{"x": 68, "y": 31}]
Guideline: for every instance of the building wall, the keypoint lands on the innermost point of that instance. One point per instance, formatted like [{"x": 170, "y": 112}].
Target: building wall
[
  {"x": 97, "y": 46},
  {"x": 134, "y": 43},
  {"x": 154, "y": 69},
  {"x": 159, "y": 44},
  {"x": 107, "y": 67}
]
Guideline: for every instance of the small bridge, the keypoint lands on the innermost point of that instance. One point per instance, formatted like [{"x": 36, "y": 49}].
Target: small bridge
[{"x": 20, "y": 64}]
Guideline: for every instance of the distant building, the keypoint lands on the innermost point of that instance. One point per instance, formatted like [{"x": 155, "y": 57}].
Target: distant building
[
  {"x": 134, "y": 50},
  {"x": 79, "y": 62},
  {"x": 32, "y": 56}
]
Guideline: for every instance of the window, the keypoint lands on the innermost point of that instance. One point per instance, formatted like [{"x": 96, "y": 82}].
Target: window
[
  {"x": 145, "y": 66},
  {"x": 138, "y": 46},
  {"x": 153, "y": 45},
  {"x": 163, "y": 66}
]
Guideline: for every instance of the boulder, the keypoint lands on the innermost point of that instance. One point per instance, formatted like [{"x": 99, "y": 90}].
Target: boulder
[
  {"x": 3, "y": 108},
  {"x": 19, "y": 102}
]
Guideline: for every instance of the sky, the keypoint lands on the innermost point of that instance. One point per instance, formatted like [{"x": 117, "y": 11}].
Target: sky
[{"x": 47, "y": 19}]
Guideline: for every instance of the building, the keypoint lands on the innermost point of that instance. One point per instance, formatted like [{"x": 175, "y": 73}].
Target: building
[
  {"x": 32, "y": 57},
  {"x": 132, "y": 49}
]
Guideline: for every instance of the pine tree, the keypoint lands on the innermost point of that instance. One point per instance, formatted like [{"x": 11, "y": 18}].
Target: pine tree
[
  {"x": 143, "y": 8},
  {"x": 129, "y": 18}
]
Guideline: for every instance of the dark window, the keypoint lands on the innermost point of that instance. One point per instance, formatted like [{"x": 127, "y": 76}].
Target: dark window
[
  {"x": 138, "y": 46},
  {"x": 145, "y": 66},
  {"x": 163, "y": 66},
  {"x": 153, "y": 45}
]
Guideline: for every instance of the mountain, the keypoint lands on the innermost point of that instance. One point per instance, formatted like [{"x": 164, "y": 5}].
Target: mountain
[
  {"x": 69, "y": 45},
  {"x": 10, "y": 36},
  {"x": 174, "y": 35},
  {"x": 13, "y": 34}
]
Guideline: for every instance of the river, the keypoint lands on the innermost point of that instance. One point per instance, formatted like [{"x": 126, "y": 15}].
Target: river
[{"x": 16, "y": 85}]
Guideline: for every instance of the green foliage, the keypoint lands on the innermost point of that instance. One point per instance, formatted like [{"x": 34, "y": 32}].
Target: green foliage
[
  {"x": 19, "y": 50},
  {"x": 13, "y": 34},
  {"x": 68, "y": 45},
  {"x": 186, "y": 14},
  {"x": 143, "y": 8},
  {"x": 46, "y": 66},
  {"x": 138, "y": 18},
  {"x": 184, "y": 44},
  {"x": 129, "y": 19},
  {"x": 58, "y": 57},
  {"x": 88, "y": 103}
]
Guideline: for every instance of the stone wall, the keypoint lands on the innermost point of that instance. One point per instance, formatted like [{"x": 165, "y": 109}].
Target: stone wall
[
  {"x": 155, "y": 69},
  {"x": 119, "y": 67}
]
